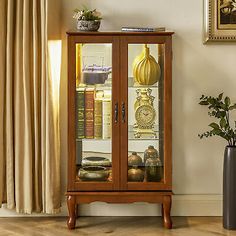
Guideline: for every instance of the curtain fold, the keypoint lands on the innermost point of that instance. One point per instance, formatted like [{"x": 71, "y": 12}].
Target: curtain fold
[
  {"x": 3, "y": 20},
  {"x": 29, "y": 156},
  {"x": 9, "y": 125}
]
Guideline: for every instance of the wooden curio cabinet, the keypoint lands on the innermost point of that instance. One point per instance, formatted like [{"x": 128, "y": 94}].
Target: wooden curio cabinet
[{"x": 119, "y": 119}]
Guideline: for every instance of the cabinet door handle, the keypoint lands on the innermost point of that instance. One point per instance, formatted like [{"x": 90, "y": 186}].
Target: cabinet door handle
[
  {"x": 116, "y": 112},
  {"x": 123, "y": 112}
]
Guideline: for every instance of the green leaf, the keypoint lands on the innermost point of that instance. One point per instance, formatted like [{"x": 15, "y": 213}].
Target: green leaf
[
  {"x": 204, "y": 103},
  {"x": 232, "y": 107},
  {"x": 216, "y": 131},
  {"x": 220, "y": 114},
  {"x": 223, "y": 106},
  {"x": 214, "y": 125},
  {"x": 220, "y": 96},
  {"x": 231, "y": 133},
  {"x": 223, "y": 135},
  {"x": 222, "y": 123},
  {"x": 227, "y": 101},
  {"x": 223, "y": 113},
  {"x": 211, "y": 101}
]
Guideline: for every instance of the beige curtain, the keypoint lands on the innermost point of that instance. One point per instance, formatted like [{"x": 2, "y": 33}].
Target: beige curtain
[{"x": 29, "y": 128}]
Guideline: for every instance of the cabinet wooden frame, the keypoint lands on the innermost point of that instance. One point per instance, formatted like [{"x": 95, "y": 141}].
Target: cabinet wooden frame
[
  {"x": 74, "y": 185},
  {"x": 167, "y": 129},
  {"x": 120, "y": 190}
]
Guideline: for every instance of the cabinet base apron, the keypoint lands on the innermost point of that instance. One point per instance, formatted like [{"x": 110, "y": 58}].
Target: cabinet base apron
[{"x": 76, "y": 198}]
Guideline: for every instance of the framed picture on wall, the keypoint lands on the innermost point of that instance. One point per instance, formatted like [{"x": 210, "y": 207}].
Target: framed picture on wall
[{"x": 219, "y": 20}]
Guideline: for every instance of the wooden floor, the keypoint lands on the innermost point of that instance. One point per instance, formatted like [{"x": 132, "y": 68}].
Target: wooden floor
[{"x": 120, "y": 226}]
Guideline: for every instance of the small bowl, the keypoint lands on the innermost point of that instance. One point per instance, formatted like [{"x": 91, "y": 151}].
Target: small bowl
[
  {"x": 88, "y": 25},
  {"x": 93, "y": 173}
]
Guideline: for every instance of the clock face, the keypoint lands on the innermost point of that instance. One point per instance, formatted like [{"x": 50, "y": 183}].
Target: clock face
[{"x": 145, "y": 116}]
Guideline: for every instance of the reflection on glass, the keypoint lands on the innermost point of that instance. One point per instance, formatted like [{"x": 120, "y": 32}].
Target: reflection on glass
[
  {"x": 145, "y": 116},
  {"x": 93, "y": 112}
]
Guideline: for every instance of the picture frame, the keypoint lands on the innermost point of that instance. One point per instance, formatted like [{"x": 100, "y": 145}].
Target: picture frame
[{"x": 219, "y": 21}]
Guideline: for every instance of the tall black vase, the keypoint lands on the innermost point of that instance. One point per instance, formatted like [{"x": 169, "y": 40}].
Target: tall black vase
[{"x": 229, "y": 188}]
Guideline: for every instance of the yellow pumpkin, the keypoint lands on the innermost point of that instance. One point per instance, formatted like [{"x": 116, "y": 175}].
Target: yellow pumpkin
[{"x": 146, "y": 70}]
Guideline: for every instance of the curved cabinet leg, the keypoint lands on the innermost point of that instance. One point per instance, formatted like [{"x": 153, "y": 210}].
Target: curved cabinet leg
[
  {"x": 166, "y": 212},
  {"x": 77, "y": 211},
  {"x": 162, "y": 211},
  {"x": 72, "y": 212}
]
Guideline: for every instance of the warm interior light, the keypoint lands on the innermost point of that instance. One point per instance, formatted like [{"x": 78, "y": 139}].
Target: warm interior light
[{"x": 54, "y": 64}]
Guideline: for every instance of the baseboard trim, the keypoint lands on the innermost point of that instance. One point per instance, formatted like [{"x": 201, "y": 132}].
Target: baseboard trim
[
  {"x": 197, "y": 205},
  {"x": 182, "y": 205}
]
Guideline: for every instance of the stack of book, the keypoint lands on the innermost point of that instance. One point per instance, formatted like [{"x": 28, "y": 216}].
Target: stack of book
[
  {"x": 93, "y": 110},
  {"x": 142, "y": 29}
]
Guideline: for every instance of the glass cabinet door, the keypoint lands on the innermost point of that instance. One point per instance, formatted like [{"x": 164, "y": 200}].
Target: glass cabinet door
[
  {"x": 94, "y": 106},
  {"x": 93, "y": 112},
  {"x": 145, "y": 117}
]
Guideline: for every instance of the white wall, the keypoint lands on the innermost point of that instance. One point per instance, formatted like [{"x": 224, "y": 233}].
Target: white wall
[{"x": 197, "y": 69}]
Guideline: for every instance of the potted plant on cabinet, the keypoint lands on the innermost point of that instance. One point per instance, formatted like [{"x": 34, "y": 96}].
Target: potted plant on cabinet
[
  {"x": 221, "y": 108},
  {"x": 87, "y": 20}
]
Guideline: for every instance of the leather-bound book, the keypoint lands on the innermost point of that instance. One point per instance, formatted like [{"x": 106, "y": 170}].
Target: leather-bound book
[
  {"x": 106, "y": 115},
  {"x": 78, "y": 64},
  {"x": 80, "y": 113},
  {"x": 89, "y": 113},
  {"x": 98, "y": 115}
]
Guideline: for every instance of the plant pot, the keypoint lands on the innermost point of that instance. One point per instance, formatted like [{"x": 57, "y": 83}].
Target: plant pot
[
  {"x": 229, "y": 188},
  {"x": 88, "y": 25}
]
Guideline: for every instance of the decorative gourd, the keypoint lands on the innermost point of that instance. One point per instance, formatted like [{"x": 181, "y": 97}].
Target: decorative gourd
[
  {"x": 146, "y": 70},
  {"x": 134, "y": 160}
]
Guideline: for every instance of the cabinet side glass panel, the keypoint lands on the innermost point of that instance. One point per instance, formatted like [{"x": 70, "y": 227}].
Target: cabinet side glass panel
[
  {"x": 93, "y": 112},
  {"x": 145, "y": 112}
]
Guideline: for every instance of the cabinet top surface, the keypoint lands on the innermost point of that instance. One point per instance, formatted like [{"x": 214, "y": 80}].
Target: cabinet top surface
[{"x": 119, "y": 33}]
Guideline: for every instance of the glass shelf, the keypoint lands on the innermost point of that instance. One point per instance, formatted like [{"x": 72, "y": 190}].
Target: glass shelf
[
  {"x": 93, "y": 140},
  {"x": 132, "y": 138},
  {"x": 108, "y": 85},
  {"x": 132, "y": 84},
  {"x": 131, "y": 134},
  {"x": 96, "y": 86}
]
